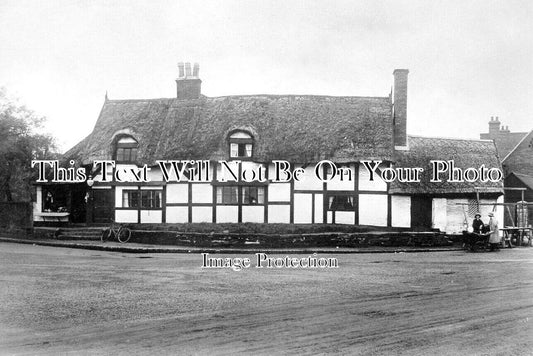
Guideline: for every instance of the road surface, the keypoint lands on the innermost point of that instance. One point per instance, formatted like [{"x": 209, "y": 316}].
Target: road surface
[{"x": 61, "y": 300}]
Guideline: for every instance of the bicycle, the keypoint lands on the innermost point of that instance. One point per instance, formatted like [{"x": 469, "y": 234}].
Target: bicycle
[{"x": 121, "y": 233}]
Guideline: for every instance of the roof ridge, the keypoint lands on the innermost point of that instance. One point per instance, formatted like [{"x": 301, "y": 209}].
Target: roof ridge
[
  {"x": 451, "y": 138},
  {"x": 518, "y": 144}
]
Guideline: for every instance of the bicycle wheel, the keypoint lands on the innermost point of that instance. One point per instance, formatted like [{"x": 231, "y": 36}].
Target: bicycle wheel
[
  {"x": 107, "y": 234},
  {"x": 124, "y": 234}
]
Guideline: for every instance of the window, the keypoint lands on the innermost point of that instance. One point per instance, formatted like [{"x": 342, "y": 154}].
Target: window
[
  {"x": 253, "y": 195},
  {"x": 241, "y": 145},
  {"x": 144, "y": 199},
  {"x": 341, "y": 203},
  {"x": 227, "y": 195},
  {"x": 249, "y": 195},
  {"x": 126, "y": 150}
]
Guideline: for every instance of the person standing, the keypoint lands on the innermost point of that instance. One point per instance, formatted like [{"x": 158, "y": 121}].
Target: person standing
[{"x": 494, "y": 238}]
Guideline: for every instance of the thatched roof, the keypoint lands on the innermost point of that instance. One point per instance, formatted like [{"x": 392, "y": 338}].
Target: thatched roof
[
  {"x": 299, "y": 128},
  {"x": 464, "y": 153}
]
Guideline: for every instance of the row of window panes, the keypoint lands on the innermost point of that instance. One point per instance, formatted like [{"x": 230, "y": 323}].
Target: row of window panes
[
  {"x": 141, "y": 199},
  {"x": 126, "y": 154},
  {"x": 250, "y": 195},
  {"x": 225, "y": 195},
  {"x": 240, "y": 150}
]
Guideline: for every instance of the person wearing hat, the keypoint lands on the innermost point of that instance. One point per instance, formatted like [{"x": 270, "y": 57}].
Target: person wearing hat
[
  {"x": 494, "y": 237},
  {"x": 477, "y": 224}
]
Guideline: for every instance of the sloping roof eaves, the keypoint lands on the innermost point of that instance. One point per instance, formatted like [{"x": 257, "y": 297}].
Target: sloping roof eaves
[
  {"x": 297, "y": 128},
  {"x": 465, "y": 153}
]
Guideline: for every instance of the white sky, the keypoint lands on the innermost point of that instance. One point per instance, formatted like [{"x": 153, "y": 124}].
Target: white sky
[{"x": 468, "y": 60}]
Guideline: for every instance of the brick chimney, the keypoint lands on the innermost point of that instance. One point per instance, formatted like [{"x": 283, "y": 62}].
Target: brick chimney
[
  {"x": 189, "y": 85},
  {"x": 494, "y": 126},
  {"x": 399, "y": 97}
]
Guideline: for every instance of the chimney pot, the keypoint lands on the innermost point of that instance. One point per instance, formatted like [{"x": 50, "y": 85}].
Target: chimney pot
[
  {"x": 196, "y": 70},
  {"x": 188, "y": 86}
]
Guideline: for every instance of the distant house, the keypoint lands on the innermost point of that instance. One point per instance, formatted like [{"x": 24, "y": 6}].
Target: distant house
[
  {"x": 256, "y": 130},
  {"x": 516, "y": 152}
]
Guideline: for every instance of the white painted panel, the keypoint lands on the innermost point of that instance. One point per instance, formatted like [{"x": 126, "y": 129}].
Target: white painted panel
[
  {"x": 329, "y": 217},
  {"x": 345, "y": 217},
  {"x": 202, "y": 214},
  {"x": 319, "y": 208},
  {"x": 151, "y": 216},
  {"x": 202, "y": 193},
  {"x": 455, "y": 216},
  {"x": 38, "y": 203},
  {"x": 373, "y": 209},
  {"x": 126, "y": 216},
  {"x": 177, "y": 193},
  {"x": 308, "y": 179},
  {"x": 438, "y": 214},
  {"x": 123, "y": 172},
  {"x": 302, "y": 208},
  {"x": 255, "y": 214},
  {"x": 251, "y": 171},
  {"x": 177, "y": 214},
  {"x": 366, "y": 184},
  {"x": 224, "y": 174},
  {"x": 401, "y": 211},
  {"x": 151, "y": 187},
  {"x": 279, "y": 192},
  {"x": 344, "y": 181},
  {"x": 227, "y": 214},
  {"x": 154, "y": 174},
  {"x": 279, "y": 214}
]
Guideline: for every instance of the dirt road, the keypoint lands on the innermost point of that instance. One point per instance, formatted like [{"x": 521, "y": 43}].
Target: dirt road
[{"x": 58, "y": 300}]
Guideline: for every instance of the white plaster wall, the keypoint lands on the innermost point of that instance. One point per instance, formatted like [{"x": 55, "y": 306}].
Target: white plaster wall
[
  {"x": 254, "y": 214},
  {"x": 154, "y": 174},
  {"x": 279, "y": 192},
  {"x": 202, "y": 214},
  {"x": 38, "y": 203},
  {"x": 234, "y": 165},
  {"x": 151, "y": 187},
  {"x": 366, "y": 184},
  {"x": 126, "y": 216},
  {"x": 177, "y": 193},
  {"x": 319, "y": 208},
  {"x": 227, "y": 214},
  {"x": 177, "y": 214},
  {"x": 329, "y": 217},
  {"x": 345, "y": 217},
  {"x": 373, "y": 209},
  {"x": 279, "y": 214},
  {"x": 202, "y": 193},
  {"x": 439, "y": 213},
  {"x": 456, "y": 218},
  {"x": 308, "y": 179},
  {"x": 302, "y": 208},
  {"x": 151, "y": 216},
  {"x": 250, "y": 168},
  {"x": 455, "y": 222},
  {"x": 400, "y": 211},
  {"x": 348, "y": 182},
  {"x": 126, "y": 176}
]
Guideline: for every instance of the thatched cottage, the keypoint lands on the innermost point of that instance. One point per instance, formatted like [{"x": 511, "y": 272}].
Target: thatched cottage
[{"x": 257, "y": 130}]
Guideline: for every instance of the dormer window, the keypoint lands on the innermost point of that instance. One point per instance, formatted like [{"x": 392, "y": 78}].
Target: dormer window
[
  {"x": 240, "y": 145},
  {"x": 126, "y": 150}
]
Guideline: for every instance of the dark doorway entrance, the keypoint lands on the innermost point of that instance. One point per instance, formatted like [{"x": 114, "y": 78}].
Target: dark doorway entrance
[
  {"x": 421, "y": 212},
  {"x": 103, "y": 205}
]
